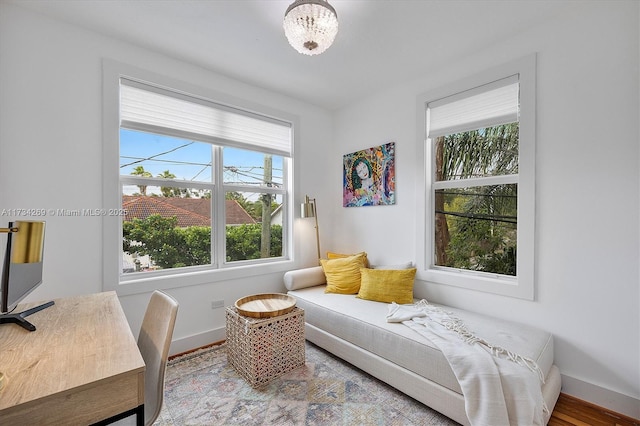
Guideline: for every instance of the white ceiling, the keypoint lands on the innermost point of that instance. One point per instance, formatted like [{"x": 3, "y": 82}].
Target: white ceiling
[{"x": 380, "y": 42}]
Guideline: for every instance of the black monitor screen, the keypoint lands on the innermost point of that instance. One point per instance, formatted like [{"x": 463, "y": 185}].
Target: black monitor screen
[{"x": 23, "y": 279}]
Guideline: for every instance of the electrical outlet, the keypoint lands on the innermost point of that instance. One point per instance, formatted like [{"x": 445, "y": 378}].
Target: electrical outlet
[{"x": 217, "y": 304}]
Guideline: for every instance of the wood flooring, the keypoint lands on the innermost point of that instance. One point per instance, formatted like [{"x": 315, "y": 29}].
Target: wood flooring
[{"x": 573, "y": 411}]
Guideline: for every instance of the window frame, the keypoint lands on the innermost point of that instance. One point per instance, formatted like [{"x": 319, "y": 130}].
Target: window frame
[
  {"x": 523, "y": 284},
  {"x": 113, "y": 277}
]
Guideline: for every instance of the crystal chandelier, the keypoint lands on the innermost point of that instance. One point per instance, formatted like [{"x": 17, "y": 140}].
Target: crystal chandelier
[{"x": 310, "y": 26}]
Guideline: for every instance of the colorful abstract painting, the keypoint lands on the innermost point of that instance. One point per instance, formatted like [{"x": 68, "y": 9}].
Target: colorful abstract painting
[{"x": 369, "y": 177}]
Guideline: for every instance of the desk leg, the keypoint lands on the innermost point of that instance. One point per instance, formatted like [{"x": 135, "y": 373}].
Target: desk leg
[
  {"x": 140, "y": 415},
  {"x": 138, "y": 412}
]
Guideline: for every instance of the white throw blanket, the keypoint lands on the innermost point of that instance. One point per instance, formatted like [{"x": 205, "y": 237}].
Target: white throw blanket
[{"x": 499, "y": 387}]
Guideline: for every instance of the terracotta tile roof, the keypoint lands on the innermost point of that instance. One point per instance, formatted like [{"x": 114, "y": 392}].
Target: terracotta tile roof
[
  {"x": 236, "y": 214},
  {"x": 143, "y": 207},
  {"x": 189, "y": 211},
  {"x": 201, "y": 206}
]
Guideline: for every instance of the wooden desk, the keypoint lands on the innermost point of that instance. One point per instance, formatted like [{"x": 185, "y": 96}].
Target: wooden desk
[{"x": 81, "y": 365}]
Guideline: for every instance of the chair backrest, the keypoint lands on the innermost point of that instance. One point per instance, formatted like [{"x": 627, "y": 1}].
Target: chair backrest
[{"x": 154, "y": 341}]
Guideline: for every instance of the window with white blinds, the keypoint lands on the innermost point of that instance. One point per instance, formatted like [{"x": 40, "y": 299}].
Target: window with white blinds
[
  {"x": 478, "y": 192},
  {"x": 202, "y": 181}
]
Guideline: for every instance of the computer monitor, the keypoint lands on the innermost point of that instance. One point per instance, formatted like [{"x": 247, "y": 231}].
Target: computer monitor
[{"x": 22, "y": 271}]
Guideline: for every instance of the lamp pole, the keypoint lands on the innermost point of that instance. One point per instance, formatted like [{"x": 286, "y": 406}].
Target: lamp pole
[{"x": 315, "y": 208}]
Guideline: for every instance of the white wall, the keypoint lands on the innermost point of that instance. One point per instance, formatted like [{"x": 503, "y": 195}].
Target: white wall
[
  {"x": 50, "y": 157},
  {"x": 587, "y": 290}
]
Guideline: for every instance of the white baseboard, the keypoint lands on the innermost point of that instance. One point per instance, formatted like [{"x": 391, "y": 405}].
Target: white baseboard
[
  {"x": 611, "y": 400},
  {"x": 195, "y": 341}
]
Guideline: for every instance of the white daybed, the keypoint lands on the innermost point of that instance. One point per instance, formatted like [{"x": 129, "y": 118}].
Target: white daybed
[{"x": 356, "y": 330}]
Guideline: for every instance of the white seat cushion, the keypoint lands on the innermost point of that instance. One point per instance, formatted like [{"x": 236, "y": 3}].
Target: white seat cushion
[{"x": 363, "y": 323}]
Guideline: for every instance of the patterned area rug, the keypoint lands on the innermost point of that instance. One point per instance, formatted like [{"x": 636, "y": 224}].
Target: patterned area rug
[{"x": 202, "y": 389}]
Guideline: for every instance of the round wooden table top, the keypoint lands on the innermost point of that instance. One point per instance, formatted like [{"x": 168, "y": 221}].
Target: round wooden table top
[{"x": 265, "y": 305}]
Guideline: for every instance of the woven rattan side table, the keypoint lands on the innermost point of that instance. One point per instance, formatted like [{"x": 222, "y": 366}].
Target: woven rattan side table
[{"x": 261, "y": 349}]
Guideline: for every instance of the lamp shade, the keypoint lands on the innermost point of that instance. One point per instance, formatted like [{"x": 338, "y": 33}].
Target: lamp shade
[
  {"x": 310, "y": 26},
  {"x": 308, "y": 208},
  {"x": 29, "y": 242}
]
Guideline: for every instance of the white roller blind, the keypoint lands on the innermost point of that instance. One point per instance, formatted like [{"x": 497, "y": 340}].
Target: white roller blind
[
  {"x": 485, "y": 106},
  {"x": 144, "y": 107}
]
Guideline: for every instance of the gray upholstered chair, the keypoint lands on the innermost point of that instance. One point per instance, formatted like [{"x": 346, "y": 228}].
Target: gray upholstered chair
[{"x": 154, "y": 341}]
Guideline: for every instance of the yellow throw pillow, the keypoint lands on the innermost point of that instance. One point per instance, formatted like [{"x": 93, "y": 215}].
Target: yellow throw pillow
[
  {"x": 387, "y": 285},
  {"x": 343, "y": 274},
  {"x": 332, "y": 255}
]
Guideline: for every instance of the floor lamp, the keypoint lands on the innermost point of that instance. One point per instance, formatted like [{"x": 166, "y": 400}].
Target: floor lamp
[{"x": 309, "y": 209}]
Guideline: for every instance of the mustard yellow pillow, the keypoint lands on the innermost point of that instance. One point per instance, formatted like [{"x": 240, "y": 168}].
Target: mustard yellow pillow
[
  {"x": 333, "y": 255},
  {"x": 343, "y": 274},
  {"x": 387, "y": 285}
]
